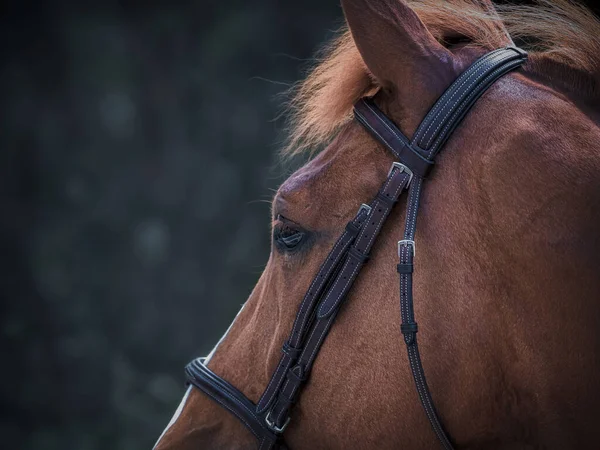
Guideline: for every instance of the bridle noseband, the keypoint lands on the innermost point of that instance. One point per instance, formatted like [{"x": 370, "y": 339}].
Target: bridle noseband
[{"x": 268, "y": 419}]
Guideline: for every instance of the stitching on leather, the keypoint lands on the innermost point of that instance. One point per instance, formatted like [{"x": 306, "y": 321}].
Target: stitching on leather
[
  {"x": 329, "y": 293},
  {"x": 471, "y": 94},
  {"x": 416, "y": 378},
  {"x": 386, "y": 210},
  {"x": 438, "y": 140},
  {"x": 418, "y": 186},
  {"x": 403, "y": 302},
  {"x": 428, "y": 405},
  {"x": 401, "y": 138},
  {"x": 421, "y": 380},
  {"x": 342, "y": 292},
  {"x": 325, "y": 329},
  {"x": 262, "y": 443},
  {"x": 440, "y": 104},
  {"x": 287, "y": 381},
  {"x": 233, "y": 411},
  {"x": 473, "y": 77},
  {"x": 234, "y": 399},
  {"x": 478, "y": 74},
  {"x": 332, "y": 252},
  {"x": 416, "y": 367},
  {"x": 405, "y": 294},
  {"x": 326, "y": 276},
  {"x": 317, "y": 346},
  {"x": 322, "y": 311},
  {"x": 384, "y": 141},
  {"x": 375, "y": 232},
  {"x": 273, "y": 378},
  {"x": 311, "y": 356},
  {"x": 303, "y": 352},
  {"x": 414, "y": 193},
  {"x": 283, "y": 410},
  {"x": 385, "y": 186}
]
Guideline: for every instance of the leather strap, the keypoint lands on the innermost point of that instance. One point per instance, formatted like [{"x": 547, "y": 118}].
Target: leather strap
[
  {"x": 382, "y": 129},
  {"x": 381, "y": 206},
  {"x": 335, "y": 277},
  {"x": 443, "y": 118},
  {"x": 433, "y": 132},
  {"x": 229, "y": 398},
  {"x": 313, "y": 294}
]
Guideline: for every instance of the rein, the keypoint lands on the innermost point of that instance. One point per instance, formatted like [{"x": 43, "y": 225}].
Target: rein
[{"x": 268, "y": 419}]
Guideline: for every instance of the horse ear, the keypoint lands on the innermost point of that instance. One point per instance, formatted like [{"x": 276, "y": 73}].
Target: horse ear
[{"x": 399, "y": 51}]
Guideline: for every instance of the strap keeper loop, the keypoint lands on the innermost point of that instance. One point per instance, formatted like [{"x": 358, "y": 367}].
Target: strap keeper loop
[
  {"x": 409, "y": 327},
  {"x": 386, "y": 200},
  {"x": 404, "y": 269},
  {"x": 290, "y": 351},
  {"x": 352, "y": 229},
  {"x": 409, "y": 330},
  {"x": 298, "y": 374},
  {"x": 354, "y": 253}
]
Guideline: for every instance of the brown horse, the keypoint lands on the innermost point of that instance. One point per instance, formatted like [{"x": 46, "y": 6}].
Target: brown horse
[{"x": 507, "y": 275}]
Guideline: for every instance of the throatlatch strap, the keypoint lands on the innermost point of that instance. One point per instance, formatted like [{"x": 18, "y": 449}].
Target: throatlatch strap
[
  {"x": 433, "y": 132},
  {"x": 335, "y": 277}
]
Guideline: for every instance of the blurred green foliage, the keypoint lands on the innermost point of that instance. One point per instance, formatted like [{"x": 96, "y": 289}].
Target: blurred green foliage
[{"x": 138, "y": 155}]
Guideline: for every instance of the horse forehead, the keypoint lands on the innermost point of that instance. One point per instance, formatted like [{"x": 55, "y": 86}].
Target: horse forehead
[
  {"x": 345, "y": 163},
  {"x": 305, "y": 177}
]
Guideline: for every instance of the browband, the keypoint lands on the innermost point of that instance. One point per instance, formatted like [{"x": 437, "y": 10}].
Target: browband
[{"x": 268, "y": 419}]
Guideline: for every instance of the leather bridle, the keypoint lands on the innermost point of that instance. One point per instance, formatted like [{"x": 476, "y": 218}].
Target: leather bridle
[{"x": 268, "y": 419}]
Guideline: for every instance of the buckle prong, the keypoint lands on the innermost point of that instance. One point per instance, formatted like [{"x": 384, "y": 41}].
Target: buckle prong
[
  {"x": 406, "y": 243},
  {"x": 402, "y": 168},
  {"x": 274, "y": 428},
  {"x": 364, "y": 207}
]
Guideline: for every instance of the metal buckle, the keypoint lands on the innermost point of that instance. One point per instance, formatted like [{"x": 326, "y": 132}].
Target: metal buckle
[
  {"x": 406, "y": 243},
  {"x": 364, "y": 207},
  {"x": 273, "y": 427},
  {"x": 402, "y": 168}
]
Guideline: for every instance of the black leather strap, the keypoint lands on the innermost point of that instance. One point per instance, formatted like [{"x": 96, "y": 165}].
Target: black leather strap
[
  {"x": 395, "y": 184},
  {"x": 382, "y": 129},
  {"x": 433, "y": 132},
  {"x": 229, "y": 398},
  {"x": 309, "y": 302},
  {"x": 457, "y": 100},
  {"x": 325, "y": 296}
]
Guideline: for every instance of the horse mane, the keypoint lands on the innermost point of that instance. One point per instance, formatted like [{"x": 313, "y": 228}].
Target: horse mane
[{"x": 556, "y": 32}]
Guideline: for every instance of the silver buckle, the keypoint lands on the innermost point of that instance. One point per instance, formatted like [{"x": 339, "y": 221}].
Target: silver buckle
[
  {"x": 406, "y": 243},
  {"x": 402, "y": 168},
  {"x": 271, "y": 424},
  {"x": 364, "y": 207}
]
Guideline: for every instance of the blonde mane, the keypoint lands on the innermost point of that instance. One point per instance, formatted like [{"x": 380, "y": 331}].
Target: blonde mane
[{"x": 558, "y": 30}]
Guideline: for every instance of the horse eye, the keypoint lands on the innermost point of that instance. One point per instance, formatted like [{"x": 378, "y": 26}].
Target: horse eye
[{"x": 287, "y": 235}]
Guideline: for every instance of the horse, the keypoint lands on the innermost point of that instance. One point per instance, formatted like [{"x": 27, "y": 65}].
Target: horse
[{"x": 507, "y": 271}]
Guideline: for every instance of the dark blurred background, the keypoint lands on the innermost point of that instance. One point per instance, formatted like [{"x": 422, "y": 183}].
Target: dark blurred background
[
  {"x": 138, "y": 155},
  {"x": 138, "y": 146}
]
